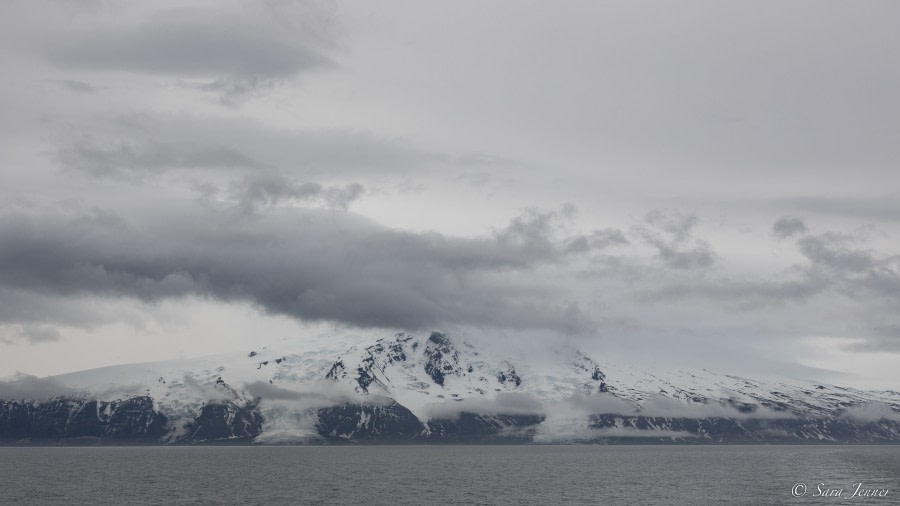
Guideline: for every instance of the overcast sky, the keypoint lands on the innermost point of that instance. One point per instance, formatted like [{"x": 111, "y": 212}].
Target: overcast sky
[{"x": 695, "y": 183}]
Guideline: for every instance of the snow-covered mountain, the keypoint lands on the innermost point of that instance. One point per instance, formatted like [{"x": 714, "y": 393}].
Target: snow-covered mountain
[{"x": 408, "y": 388}]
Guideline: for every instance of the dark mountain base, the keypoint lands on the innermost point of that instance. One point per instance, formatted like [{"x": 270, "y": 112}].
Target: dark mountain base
[{"x": 135, "y": 421}]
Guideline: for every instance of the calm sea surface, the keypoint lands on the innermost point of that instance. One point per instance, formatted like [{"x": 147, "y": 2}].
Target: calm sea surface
[{"x": 446, "y": 474}]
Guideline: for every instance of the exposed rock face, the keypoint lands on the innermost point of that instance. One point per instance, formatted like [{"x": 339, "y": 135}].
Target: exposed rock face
[
  {"x": 134, "y": 420},
  {"x": 225, "y": 421},
  {"x": 392, "y": 422},
  {"x": 61, "y": 419},
  {"x": 443, "y": 359},
  {"x": 584, "y": 363},
  {"x": 368, "y": 422},
  {"x": 749, "y": 430},
  {"x": 508, "y": 375},
  {"x": 473, "y": 427}
]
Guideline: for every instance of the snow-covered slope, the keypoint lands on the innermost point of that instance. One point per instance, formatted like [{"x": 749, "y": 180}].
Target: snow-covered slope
[
  {"x": 408, "y": 387},
  {"x": 424, "y": 373}
]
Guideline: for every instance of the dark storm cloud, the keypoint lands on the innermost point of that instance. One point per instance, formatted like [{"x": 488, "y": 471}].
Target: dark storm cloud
[
  {"x": 315, "y": 266},
  {"x": 788, "y": 226},
  {"x": 672, "y": 237},
  {"x": 234, "y": 48}
]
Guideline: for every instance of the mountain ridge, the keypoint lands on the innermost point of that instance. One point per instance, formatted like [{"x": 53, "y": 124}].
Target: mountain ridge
[{"x": 435, "y": 389}]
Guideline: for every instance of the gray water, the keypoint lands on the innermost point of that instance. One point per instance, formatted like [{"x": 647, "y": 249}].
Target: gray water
[{"x": 445, "y": 474}]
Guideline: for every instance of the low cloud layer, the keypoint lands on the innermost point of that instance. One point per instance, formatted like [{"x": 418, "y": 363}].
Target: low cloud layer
[
  {"x": 657, "y": 406},
  {"x": 299, "y": 397},
  {"x": 335, "y": 266},
  {"x": 872, "y": 412},
  {"x": 312, "y": 265},
  {"x": 27, "y": 387}
]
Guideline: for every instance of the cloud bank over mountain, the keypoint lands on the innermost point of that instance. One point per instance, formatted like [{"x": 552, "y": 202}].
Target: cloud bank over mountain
[{"x": 599, "y": 173}]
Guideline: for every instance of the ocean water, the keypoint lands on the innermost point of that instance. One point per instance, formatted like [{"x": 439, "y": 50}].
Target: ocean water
[{"x": 448, "y": 475}]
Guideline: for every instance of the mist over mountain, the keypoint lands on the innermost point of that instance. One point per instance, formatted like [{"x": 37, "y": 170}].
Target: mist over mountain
[{"x": 430, "y": 389}]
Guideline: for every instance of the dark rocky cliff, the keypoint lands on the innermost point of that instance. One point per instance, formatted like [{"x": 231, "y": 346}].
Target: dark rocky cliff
[
  {"x": 748, "y": 430},
  {"x": 62, "y": 419},
  {"x": 137, "y": 421}
]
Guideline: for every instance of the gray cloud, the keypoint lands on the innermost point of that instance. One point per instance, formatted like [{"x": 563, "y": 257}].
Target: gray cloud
[
  {"x": 597, "y": 240},
  {"x": 205, "y": 389},
  {"x": 29, "y": 316},
  {"x": 25, "y": 386},
  {"x": 236, "y": 49},
  {"x": 672, "y": 237},
  {"x": 836, "y": 253},
  {"x": 730, "y": 131},
  {"x": 877, "y": 207},
  {"x": 530, "y": 233},
  {"x": 327, "y": 265},
  {"x": 232, "y": 91},
  {"x": 835, "y": 264},
  {"x": 311, "y": 265},
  {"x": 872, "y": 412},
  {"x": 313, "y": 395},
  {"x": 260, "y": 191},
  {"x": 38, "y": 333},
  {"x": 877, "y": 339},
  {"x": 132, "y": 159},
  {"x": 140, "y": 145},
  {"x": 788, "y": 226},
  {"x": 75, "y": 86}
]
